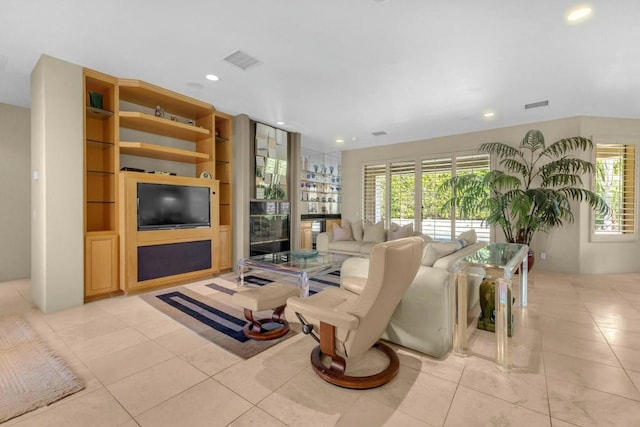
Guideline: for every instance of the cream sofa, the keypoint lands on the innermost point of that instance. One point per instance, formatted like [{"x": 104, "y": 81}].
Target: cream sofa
[{"x": 423, "y": 320}]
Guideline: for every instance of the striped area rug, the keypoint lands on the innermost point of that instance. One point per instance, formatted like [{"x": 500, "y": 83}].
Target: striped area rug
[{"x": 206, "y": 308}]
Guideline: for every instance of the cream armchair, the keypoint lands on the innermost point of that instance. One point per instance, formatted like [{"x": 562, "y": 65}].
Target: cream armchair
[{"x": 348, "y": 321}]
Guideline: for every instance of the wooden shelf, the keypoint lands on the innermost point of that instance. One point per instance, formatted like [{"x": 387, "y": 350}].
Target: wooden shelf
[
  {"x": 160, "y": 152},
  {"x": 160, "y": 126},
  {"x": 97, "y": 113},
  {"x": 149, "y": 95}
]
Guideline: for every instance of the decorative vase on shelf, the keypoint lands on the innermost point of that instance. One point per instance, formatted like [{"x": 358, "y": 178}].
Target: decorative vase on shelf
[
  {"x": 331, "y": 170},
  {"x": 315, "y": 168}
]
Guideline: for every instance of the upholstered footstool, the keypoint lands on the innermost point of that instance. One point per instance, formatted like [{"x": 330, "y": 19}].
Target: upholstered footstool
[{"x": 270, "y": 296}]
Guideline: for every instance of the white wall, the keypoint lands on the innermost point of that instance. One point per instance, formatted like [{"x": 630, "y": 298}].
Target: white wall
[
  {"x": 57, "y": 260},
  {"x": 15, "y": 190},
  {"x": 568, "y": 249}
]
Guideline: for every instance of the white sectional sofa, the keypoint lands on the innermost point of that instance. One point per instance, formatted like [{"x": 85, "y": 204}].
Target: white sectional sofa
[{"x": 423, "y": 320}]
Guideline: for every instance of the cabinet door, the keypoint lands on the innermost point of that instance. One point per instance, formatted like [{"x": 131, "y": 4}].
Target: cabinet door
[
  {"x": 224, "y": 255},
  {"x": 306, "y": 235},
  {"x": 101, "y": 269}
]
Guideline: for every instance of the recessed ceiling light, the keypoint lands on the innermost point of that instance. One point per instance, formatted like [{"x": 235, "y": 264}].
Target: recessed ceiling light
[
  {"x": 280, "y": 123},
  {"x": 578, "y": 13},
  {"x": 339, "y": 140},
  {"x": 488, "y": 114},
  {"x": 212, "y": 77}
]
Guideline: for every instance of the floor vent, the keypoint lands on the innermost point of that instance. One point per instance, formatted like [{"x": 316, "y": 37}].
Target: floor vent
[{"x": 242, "y": 60}]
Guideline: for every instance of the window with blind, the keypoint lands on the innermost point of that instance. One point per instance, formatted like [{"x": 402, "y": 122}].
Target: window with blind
[
  {"x": 390, "y": 190},
  {"x": 402, "y": 192},
  {"x": 616, "y": 183},
  {"x": 374, "y": 186},
  {"x": 447, "y": 225}
]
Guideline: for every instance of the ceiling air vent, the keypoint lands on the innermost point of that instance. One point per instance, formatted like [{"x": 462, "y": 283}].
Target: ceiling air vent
[
  {"x": 536, "y": 105},
  {"x": 379, "y": 133},
  {"x": 242, "y": 60}
]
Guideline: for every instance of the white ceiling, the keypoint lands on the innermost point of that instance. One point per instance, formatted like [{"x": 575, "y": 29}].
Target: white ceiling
[{"x": 333, "y": 69}]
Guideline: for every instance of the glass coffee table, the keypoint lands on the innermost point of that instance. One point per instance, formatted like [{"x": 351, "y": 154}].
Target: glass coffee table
[
  {"x": 300, "y": 265},
  {"x": 500, "y": 261}
]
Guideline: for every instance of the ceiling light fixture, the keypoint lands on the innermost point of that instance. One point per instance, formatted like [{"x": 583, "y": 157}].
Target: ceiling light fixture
[
  {"x": 340, "y": 140},
  {"x": 280, "y": 123},
  {"x": 212, "y": 77},
  {"x": 489, "y": 114},
  {"x": 578, "y": 13}
]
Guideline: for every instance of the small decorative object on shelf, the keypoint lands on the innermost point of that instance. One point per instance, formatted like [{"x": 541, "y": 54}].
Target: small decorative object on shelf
[
  {"x": 217, "y": 132},
  {"x": 159, "y": 111},
  {"x": 205, "y": 175},
  {"x": 95, "y": 100},
  {"x": 191, "y": 123},
  {"x": 174, "y": 119}
]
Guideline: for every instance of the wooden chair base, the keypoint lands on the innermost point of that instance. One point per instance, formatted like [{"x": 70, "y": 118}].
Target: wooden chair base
[
  {"x": 335, "y": 373},
  {"x": 254, "y": 329}
]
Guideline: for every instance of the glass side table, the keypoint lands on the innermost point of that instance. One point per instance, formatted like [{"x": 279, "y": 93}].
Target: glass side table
[{"x": 499, "y": 261}]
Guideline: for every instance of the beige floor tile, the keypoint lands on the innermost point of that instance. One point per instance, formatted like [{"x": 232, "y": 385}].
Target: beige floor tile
[
  {"x": 205, "y": 404},
  {"x": 256, "y": 417},
  {"x": 616, "y": 311},
  {"x": 256, "y": 378},
  {"x": 307, "y": 400},
  {"x": 106, "y": 344},
  {"x": 210, "y": 359},
  {"x": 417, "y": 394},
  {"x": 94, "y": 409},
  {"x": 367, "y": 412},
  {"x": 158, "y": 327},
  {"x": 181, "y": 341},
  {"x": 450, "y": 367},
  {"x": 587, "y": 407},
  {"x": 121, "y": 305},
  {"x": 577, "y": 347},
  {"x": 524, "y": 388},
  {"x": 584, "y": 330},
  {"x": 142, "y": 314},
  {"x": 559, "y": 423},
  {"x": 629, "y": 358},
  {"x": 589, "y": 374},
  {"x": 92, "y": 329},
  {"x": 142, "y": 391},
  {"x": 472, "y": 408},
  {"x": 619, "y": 321},
  {"x": 74, "y": 316},
  {"x": 635, "y": 378},
  {"x": 121, "y": 364}
]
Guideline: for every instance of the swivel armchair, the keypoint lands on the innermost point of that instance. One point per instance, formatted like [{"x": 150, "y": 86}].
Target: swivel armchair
[{"x": 348, "y": 321}]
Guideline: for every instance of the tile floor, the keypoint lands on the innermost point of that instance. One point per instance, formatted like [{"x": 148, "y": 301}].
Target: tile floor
[{"x": 576, "y": 359}]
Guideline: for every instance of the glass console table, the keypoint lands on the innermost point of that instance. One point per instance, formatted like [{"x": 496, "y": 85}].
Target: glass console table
[{"x": 499, "y": 261}]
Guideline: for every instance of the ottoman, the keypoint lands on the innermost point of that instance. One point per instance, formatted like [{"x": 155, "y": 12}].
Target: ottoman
[{"x": 270, "y": 296}]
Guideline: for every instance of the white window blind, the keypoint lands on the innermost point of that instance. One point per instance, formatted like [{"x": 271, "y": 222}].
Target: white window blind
[
  {"x": 374, "y": 186},
  {"x": 435, "y": 222},
  {"x": 478, "y": 164},
  {"x": 615, "y": 182},
  {"x": 402, "y": 192}
]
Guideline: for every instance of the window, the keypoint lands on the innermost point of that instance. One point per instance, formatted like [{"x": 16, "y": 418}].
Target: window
[
  {"x": 615, "y": 181},
  {"x": 374, "y": 182},
  {"x": 402, "y": 197},
  {"x": 405, "y": 196}
]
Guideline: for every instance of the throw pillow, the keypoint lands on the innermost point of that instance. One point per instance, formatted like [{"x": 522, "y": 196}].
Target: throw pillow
[
  {"x": 340, "y": 233},
  {"x": 398, "y": 232},
  {"x": 435, "y": 250},
  {"x": 427, "y": 238},
  {"x": 373, "y": 232},
  {"x": 356, "y": 230},
  {"x": 469, "y": 236}
]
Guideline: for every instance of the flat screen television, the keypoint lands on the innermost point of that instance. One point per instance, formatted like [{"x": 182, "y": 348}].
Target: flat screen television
[{"x": 167, "y": 206}]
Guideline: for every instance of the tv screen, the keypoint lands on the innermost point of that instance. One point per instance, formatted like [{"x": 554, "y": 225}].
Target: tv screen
[{"x": 164, "y": 206}]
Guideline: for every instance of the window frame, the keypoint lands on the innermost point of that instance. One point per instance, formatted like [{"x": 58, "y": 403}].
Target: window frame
[{"x": 594, "y": 236}]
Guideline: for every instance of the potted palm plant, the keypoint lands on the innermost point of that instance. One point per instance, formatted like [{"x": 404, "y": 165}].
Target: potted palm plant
[{"x": 533, "y": 189}]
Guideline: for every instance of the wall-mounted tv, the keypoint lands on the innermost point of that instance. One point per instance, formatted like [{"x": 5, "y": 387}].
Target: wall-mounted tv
[{"x": 166, "y": 206}]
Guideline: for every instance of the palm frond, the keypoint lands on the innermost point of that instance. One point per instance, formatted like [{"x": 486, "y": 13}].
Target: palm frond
[
  {"x": 499, "y": 149},
  {"x": 533, "y": 141},
  {"x": 565, "y": 145}
]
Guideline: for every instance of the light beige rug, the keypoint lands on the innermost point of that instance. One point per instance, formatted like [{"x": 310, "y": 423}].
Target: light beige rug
[{"x": 31, "y": 375}]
